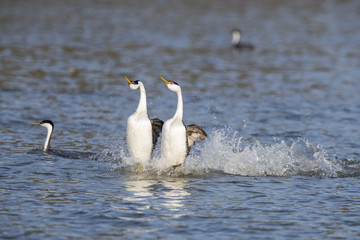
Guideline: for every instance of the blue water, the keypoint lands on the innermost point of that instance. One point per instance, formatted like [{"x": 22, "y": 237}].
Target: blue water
[{"x": 282, "y": 157}]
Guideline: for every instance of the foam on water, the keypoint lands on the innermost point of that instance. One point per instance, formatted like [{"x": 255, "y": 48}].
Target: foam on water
[
  {"x": 231, "y": 154},
  {"x": 235, "y": 155}
]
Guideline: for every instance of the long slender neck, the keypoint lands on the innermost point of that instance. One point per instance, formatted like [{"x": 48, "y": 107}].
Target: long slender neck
[
  {"x": 179, "y": 109},
  {"x": 48, "y": 138},
  {"x": 142, "y": 101}
]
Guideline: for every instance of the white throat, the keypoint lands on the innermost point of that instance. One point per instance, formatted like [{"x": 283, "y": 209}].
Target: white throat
[
  {"x": 48, "y": 137},
  {"x": 142, "y": 108},
  {"x": 180, "y": 106}
]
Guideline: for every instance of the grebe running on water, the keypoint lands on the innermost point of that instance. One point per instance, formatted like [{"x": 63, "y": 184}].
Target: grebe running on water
[
  {"x": 177, "y": 139},
  {"x": 141, "y": 132}
]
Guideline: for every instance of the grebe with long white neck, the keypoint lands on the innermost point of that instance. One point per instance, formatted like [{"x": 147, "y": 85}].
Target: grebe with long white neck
[
  {"x": 177, "y": 139},
  {"x": 50, "y": 128},
  {"x": 141, "y": 132},
  {"x": 236, "y": 40}
]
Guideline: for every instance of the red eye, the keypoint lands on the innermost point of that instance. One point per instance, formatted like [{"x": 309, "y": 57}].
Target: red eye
[{"x": 171, "y": 82}]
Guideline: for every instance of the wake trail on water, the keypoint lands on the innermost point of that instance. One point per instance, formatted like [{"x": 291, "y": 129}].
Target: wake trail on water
[{"x": 229, "y": 153}]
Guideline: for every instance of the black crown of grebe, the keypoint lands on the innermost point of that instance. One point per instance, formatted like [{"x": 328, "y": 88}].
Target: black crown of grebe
[
  {"x": 236, "y": 40},
  {"x": 50, "y": 128},
  {"x": 177, "y": 139},
  {"x": 141, "y": 132}
]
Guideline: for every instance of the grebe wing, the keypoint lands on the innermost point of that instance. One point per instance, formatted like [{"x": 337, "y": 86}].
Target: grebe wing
[
  {"x": 193, "y": 132},
  {"x": 156, "y": 129}
]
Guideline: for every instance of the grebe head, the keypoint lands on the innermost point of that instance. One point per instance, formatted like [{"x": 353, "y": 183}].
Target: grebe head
[
  {"x": 133, "y": 84},
  {"x": 45, "y": 123},
  {"x": 172, "y": 86}
]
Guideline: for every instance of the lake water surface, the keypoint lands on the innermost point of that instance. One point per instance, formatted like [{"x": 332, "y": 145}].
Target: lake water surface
[{"x": 282, "y": 157}]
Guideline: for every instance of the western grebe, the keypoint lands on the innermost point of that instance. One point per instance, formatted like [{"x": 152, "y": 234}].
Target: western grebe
[
  {"x": 177, "y": 139},
  {"x": 141, "y": 132},
  {"x": 236, "y": 40},
  {"x": 50, "y": 128}
]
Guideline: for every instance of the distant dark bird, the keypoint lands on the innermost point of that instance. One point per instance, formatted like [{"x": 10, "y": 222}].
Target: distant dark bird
[
  {"x": 236, "y": 40},
  {"x": 141, "y": 133},
  {"x": 50, "y": 127},
  {"x": 177, "y": 139}
]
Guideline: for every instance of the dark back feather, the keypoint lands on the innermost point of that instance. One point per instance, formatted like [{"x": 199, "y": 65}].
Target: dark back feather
[{"x": 157, "y": 125}]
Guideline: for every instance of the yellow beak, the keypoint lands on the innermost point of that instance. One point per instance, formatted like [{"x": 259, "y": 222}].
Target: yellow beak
[
  {"x": 127, "y": 80},
  {"x": 35, "y": 123},
  {"x": 164, "y": 80}
]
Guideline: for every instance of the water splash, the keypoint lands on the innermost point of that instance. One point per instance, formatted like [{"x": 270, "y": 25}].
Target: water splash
[
  {"x": 235, "y": 155},
  {"x": 229, "y": 153}
]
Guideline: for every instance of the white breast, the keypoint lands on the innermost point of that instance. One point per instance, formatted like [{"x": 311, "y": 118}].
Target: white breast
[
  {"x": 173, "y": 143},
  {"x": 139, "y": 138}
]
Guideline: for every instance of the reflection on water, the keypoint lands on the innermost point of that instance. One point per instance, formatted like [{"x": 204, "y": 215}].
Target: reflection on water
[{"x": 166, "y": 196}]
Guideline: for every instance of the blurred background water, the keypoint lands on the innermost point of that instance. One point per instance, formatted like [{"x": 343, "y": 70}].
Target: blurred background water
[{"x": 282, "y": 157}]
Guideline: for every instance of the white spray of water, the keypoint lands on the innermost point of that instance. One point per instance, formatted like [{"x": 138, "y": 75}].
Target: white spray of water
[{"x": 235, "y": 155}]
